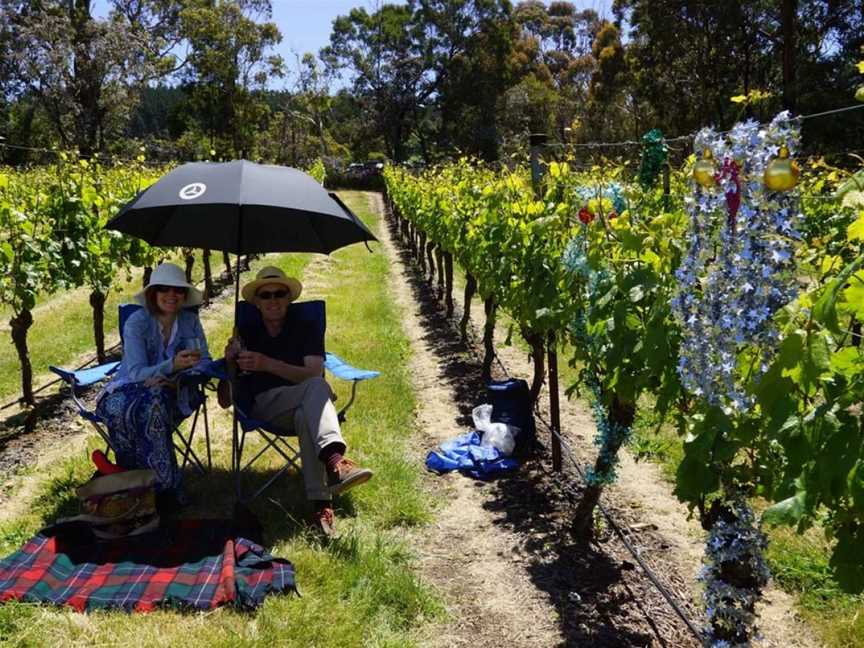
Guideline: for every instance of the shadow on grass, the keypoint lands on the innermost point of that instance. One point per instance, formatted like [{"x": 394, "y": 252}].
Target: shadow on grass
[
  {"x": 281, "y": 511},
  {"x": 595, "y": 605}
]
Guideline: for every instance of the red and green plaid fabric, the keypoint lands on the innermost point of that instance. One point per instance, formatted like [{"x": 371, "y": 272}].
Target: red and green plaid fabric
[{"x": 196, "y": 564}]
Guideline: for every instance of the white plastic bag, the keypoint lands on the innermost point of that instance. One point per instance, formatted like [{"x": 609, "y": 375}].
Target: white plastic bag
[{"x": 497, "y": 435}]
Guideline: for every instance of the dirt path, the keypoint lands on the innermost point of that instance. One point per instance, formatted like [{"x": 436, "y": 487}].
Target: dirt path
[
  {"x": 499, "y": 552},
  {"x": 470, "y": 559}
]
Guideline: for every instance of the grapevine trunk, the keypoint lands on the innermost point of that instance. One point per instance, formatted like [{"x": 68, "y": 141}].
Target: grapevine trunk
[
  {"x": 20, "y": 324},
  {"x": 97, "y": 303}
]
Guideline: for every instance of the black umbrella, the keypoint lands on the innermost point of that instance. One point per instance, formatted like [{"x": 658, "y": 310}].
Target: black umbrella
[{"x": 241, "y": 207}]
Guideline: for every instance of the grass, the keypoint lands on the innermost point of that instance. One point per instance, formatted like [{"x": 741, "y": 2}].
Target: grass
[{"x": 359, "y": 590}]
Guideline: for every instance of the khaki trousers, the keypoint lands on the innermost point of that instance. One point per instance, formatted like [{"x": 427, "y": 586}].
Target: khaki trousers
[{"x": 306, "y": 411}]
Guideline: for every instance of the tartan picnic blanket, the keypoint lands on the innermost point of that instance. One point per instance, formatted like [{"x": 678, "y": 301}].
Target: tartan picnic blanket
[{"x": 192, "y": 564}]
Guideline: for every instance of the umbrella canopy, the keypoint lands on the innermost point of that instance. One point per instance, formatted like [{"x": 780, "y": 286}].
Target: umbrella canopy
[{"x": 241, "y": 207}]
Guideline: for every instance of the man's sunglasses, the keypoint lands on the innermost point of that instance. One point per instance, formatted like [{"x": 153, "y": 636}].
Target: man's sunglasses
[
  {"x": 272, "y": 294},
  {"x": 175, "y": 289}
]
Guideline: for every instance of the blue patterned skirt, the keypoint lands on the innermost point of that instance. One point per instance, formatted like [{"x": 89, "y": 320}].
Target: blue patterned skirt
[{"x": 141, "y": 423}]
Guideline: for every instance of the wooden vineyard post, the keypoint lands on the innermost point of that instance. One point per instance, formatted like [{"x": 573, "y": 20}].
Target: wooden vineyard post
[
  {"x": 666, "y": 186},
  {"x": 538, "y": 141}
]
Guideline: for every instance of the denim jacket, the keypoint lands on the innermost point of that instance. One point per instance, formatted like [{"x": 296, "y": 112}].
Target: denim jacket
[{"x": 143, "y": 356}]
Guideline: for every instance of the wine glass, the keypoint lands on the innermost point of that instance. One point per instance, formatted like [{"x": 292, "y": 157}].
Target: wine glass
[
  {"x": 193, "y": 345},
  {"x": 241, "y": 346}
]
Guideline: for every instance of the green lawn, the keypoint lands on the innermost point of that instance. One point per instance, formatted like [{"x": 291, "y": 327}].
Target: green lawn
[{"x": 359, "y": 590}]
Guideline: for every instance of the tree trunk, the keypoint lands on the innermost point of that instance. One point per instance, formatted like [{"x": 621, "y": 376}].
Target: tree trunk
[
  {"x": 490, "y": 307},
  {"x": 621, "y": 414},
  {"x": 229, "y": 273},
  {"x": 470, "y": 289},
  {"x": 439, "y": 260},
  {"x": 190, "y": 264},
  {"x": 422, "y": 247},
  {"x": 97, "y": 302},
  {"x": 448, "y": 283},
  {"x": 19, "y": 324},
  {"x": 208, "y": 276},
  {"x": 148, "y": 270},
  {"x": 535, "y": 341},
  {"x": 788, "y": 15}
]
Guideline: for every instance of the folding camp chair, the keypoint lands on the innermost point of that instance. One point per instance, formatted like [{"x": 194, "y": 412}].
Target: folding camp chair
[
  {"x": 275, "y": 438},
  {"x": 79, "y": 378}
]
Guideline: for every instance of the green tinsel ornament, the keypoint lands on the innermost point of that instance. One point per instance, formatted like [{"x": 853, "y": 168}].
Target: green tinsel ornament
[{"x": 654, "y": 154}]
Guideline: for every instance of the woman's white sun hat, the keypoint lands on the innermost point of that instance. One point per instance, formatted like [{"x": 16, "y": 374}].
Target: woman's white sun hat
[{"x": 168, "y": 274}]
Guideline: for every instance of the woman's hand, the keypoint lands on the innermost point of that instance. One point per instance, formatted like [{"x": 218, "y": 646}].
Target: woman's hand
[
  {"x": 253, "y": 361},
  {"x": 185, "y": 359}
]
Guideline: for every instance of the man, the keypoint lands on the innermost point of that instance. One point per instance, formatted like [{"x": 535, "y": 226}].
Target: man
[{"x": 283, "y": 362}]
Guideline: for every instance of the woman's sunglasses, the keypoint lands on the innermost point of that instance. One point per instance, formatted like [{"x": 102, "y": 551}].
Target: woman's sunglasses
[
  {"x": 175, "y": 289},
  {"x": 272, "y": 294}
]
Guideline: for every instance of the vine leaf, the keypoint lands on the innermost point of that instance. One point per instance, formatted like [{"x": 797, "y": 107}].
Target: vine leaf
[{"x": 789, "y": 511}]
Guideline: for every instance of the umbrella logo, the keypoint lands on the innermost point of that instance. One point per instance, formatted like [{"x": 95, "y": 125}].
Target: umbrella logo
[{"x": 192, "y": 191}]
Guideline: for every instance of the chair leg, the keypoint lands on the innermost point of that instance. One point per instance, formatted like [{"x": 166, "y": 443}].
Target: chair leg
[
  {"x": 271, "y": 441},
  {"x": 207, "y": 435},
  {"x": 343, "y": 413},
  {"x": 188, "y": 443}
]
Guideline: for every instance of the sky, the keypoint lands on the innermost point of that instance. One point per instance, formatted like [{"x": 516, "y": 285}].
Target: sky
[{"x": 305, "y": 24}]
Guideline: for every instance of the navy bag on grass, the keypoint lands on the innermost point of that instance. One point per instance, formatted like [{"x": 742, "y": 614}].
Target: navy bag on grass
[{"x": 511, "y": 404}]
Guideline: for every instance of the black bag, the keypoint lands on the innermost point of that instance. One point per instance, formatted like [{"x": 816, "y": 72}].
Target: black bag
[{"x": 511, "y": 404}]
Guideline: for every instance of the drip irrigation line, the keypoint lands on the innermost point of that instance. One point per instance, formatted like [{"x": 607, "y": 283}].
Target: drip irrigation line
[
  {"x": 630, "y": 548},
  {"x": 615, "y": 526}
]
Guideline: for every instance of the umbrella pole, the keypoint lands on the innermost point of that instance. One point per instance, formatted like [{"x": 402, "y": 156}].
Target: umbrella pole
[{"x": 235, "y": 432}]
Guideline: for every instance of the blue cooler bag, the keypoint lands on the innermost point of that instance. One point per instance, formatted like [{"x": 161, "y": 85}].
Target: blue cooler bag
[{"x": 511, "y": 404}]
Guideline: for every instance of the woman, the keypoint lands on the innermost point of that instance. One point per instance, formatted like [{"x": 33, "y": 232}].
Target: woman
[{"x": 143, "y": 404}]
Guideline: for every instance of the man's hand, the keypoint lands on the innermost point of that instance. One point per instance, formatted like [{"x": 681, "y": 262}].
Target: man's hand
[
  {"x": 253, "y": 361},
  {"x": 185, "y": 359},
  {"x": 232, "y": 349}
]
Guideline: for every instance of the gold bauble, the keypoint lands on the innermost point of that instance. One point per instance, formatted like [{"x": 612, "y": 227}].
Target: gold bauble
[
  {"x": 781, "y": 174},
  {"x": 704, "y": 171}
]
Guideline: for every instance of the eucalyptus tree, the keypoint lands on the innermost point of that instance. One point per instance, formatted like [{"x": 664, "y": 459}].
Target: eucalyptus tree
[
  {"x": 86, "y": 72},
  {"x": 230, "y": 60}
]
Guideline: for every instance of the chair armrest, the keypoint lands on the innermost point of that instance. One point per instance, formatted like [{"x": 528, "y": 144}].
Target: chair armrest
[
  {"x": 214, "y": 369},
  {"x": 86, "y": 377},
  {"x": 342, "y": 370}
]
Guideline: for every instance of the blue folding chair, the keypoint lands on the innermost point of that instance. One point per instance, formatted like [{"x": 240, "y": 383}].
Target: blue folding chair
[
  {"x": 274, "y": 437},
  {"x": 79, "y": 378}
]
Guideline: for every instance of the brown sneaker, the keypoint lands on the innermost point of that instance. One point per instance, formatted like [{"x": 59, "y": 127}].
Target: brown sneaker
[
  {"x": 324, "y": 521},
  {"x": 346, "y": 475}
]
